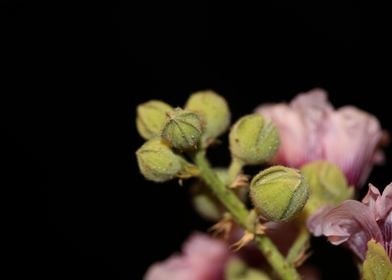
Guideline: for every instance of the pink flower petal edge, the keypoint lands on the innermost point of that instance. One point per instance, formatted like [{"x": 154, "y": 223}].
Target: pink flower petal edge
[{"x": 355, "y": 223}]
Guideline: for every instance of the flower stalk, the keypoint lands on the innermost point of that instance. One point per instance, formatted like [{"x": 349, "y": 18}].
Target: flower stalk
[
  {"x": 297, "y": 252},
  {"x": 284, "y": 269}
]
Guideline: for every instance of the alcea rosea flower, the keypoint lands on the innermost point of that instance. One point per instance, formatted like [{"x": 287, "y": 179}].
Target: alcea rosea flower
[
  {"x": 311, "y": 129},
  {"x": 202, "y": 258},
  {"x": 355, "y": 223}
]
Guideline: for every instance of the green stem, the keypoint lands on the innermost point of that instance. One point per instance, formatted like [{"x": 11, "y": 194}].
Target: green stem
[
  {"x": 299, "y": 246},
  {"x": 240, "y": 213},
  {"x": 235, "y": 168},
  {"x": 224, "y": 194}
]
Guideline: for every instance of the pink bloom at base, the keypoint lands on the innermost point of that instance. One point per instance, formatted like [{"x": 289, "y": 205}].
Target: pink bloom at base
[
  {"x": 202, "y": 258},
  {"x": 355, "y": 223},
  {"x": 311, "y": 129}
]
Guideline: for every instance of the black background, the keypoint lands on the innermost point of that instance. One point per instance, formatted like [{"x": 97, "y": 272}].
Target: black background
[{"x": 75, "y": 206}]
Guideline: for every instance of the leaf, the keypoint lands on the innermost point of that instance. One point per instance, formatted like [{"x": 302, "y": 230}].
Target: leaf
[
  {"x": 238, "y": 270},
  {"x": 377, "y": 265}
]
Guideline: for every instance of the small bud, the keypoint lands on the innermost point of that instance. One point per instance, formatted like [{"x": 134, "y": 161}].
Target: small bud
[
  {"x": 183, "y": 129},
  {"x": 253, "y": 139},
  {"x": 151, "y": 117},
  {"x": 327, "y": 184},
  {"x": 214, "y": 111},
  {"x": 279, "y": 193},
  {"x": 207, "y": 206},
  {"x": 159, "y": 164}
]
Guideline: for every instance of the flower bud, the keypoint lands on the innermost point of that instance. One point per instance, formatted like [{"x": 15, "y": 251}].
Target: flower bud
[
  {"x": 279, "y": 193},
  {"x": 183, "y": 129},
  {"x": 159, "y": 164},
  {"x": 253, "y": 139},
  {"x": 207, "y": 206},
  {"x": 327, "y": 184},
  {"x": 214, "y": 111},
  {"x": 151, "y": 117}
]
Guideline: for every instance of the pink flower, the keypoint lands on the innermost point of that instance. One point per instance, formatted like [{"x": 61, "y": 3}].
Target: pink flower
[
  {"x": 203, "y": 258},
  {"x": 355, "y": 223},
  {"x": 310, "y": 129}
]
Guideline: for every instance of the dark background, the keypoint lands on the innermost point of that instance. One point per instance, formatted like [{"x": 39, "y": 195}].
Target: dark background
[{"x": 74, "y": 203}]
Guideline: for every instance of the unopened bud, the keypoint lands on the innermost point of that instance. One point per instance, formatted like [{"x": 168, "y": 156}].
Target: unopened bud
[
  {"x": 279, "y": 193},
  {"x": 158, "y": 163},
  {"x": 214, "y": 111},
  {"x": 151, "y": 117},
  {"x": 327, "y": 183},
  {"x": 182, "y": 130},
  {"x": 207, "y": 206},
  {"x": 253, "y": 139}
]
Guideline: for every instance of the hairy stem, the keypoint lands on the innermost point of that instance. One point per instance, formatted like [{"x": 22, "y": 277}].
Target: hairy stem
[{"x": 240, "y": 213}]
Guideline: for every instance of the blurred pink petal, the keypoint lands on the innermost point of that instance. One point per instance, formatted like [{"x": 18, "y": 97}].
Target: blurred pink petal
[
  {"x": 355, "y": 223},
  {"x": 310, "y": 129},
  {"x": 203, "y": 258},
  {"x": 351, "y": 141},
  {"x": 384, "y": 203}
]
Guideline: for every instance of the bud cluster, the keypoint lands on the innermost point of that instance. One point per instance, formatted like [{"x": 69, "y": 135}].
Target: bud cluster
[{"x": 172, "y": 131}]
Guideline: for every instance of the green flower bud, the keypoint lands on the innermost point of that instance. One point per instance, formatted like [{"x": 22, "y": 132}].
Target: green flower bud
[
  {"x": 183, "y": 129},
  {"x": 327, "y": 183},
  {"x": 377, "y": 265},
  {"x": 159, "y": 164},
  {"x": 151, "y": 117},
  {"x": 279, "y": 193},
  {"x": 207, "y": 206},
  {"x": 253, "y": 139},
  {"x": 214, "y": 111}
]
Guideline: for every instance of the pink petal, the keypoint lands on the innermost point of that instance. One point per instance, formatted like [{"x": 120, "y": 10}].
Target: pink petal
[
  {"x": 174, "y": 268},
  {"x": 300, "y": 126},
  {"x": 351, "y": 142},
  {"x": 203, "y": 258},
  {"x": 291, "y": 132},
  {"x": 387, "y": 230},
  {"x": 351, "y": 222},
  {"x": 310, "y": 129},
  {"x": 384, "y": 203},
  {"x": 381, "y": 205},
  {"x": 371, "y": 198},
  {"x": 314, "y": 110}
]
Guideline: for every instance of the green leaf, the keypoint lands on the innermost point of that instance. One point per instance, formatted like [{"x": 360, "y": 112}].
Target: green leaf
[
  {"x": 377, "y": 265},
  {"x": 238, "y": 270}
]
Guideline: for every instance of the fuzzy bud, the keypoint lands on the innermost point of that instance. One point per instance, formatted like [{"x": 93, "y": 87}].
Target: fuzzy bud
[
  {"x": 214, "y": 111},
  {"x": 183, "y": 129},
  {"x": 279, "y": 193},
  {"x": 327, "y": 184},
  {"x": 151, "y": 117},
  {"x": 253, "y": 139},
  {"x": 158, "y": 163}
]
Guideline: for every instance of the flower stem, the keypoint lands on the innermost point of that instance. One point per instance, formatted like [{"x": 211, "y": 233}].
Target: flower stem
[
  {"x": 234, "y": 168},
  {"x": 299, "y": 246},
  {"x": 240, "y": 213}
]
